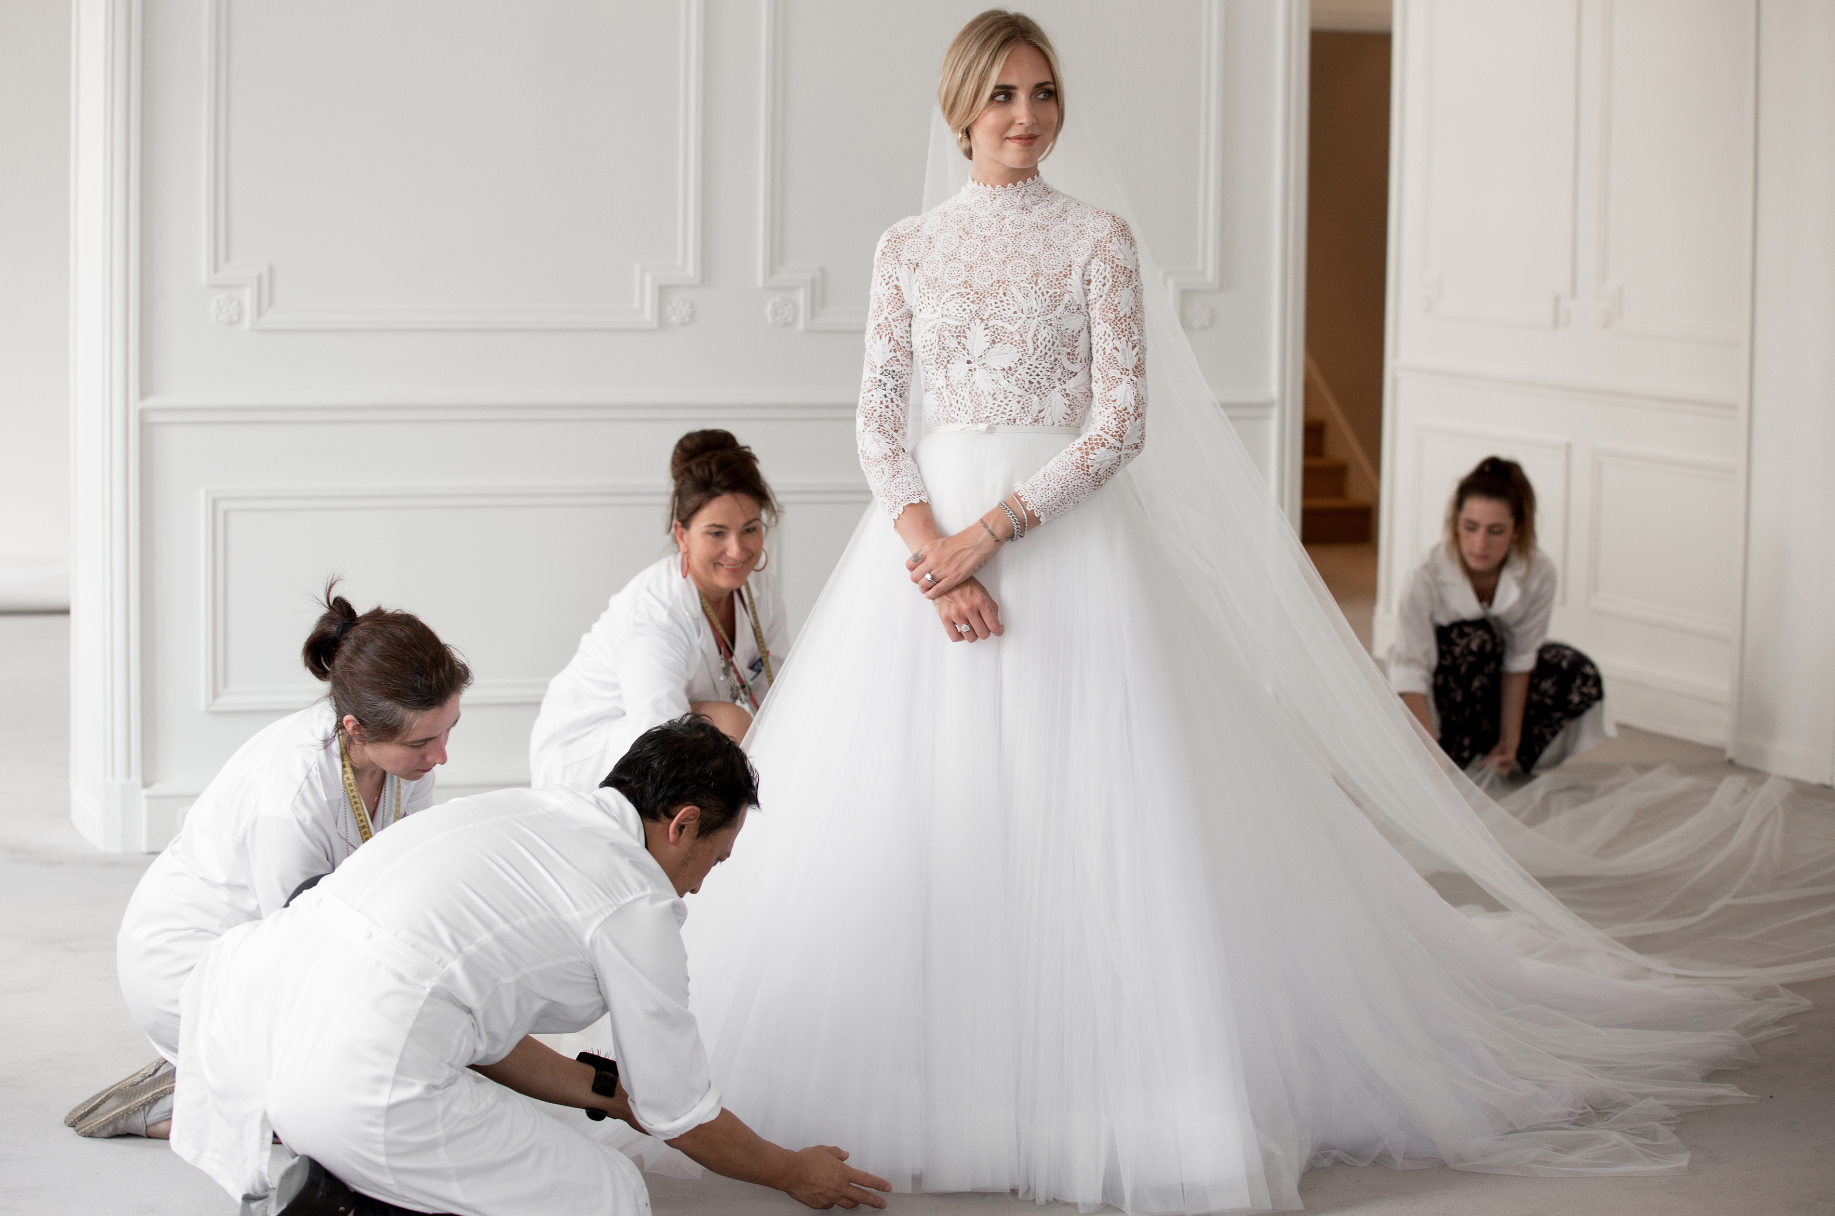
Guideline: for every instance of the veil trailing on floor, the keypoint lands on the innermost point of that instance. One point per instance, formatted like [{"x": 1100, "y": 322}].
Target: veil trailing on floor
[{"x": 1664, "y": 878}]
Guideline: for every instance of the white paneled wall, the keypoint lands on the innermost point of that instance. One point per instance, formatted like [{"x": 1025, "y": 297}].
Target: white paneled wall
[
  {"x": 34, "y": 305},
  {"x": 422, "y": 293},
  {"x": 1787, "y": 664},
  {"x": 1571, "y": 286}
]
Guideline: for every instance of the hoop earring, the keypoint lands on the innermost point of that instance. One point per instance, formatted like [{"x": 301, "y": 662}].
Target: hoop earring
[
  {"x": 684, "y": 563},
  {"x": 761, "y": 565}
]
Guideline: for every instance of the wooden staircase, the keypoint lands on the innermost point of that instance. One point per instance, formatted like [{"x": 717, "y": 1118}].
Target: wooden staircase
[{"x": 1327, "y": 517}]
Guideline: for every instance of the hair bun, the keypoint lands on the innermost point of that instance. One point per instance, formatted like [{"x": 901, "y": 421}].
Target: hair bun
[
  {"x": 696, "y": 444},
  {"x": 327, "y": 635}
]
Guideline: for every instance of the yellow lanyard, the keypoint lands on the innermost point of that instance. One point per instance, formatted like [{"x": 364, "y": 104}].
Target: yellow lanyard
[
  {"x": 730, "y": 653},
  {"x": 356, "y": 799}
]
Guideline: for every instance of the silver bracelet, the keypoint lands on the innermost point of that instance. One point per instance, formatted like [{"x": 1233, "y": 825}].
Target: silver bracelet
[{"x": 1019, "y": 527}]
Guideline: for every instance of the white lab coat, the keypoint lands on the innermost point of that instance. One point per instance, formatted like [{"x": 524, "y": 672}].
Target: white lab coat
[
  {"x": 346, "y": 1023},
  {"x": 649, "y": 654},
  {"x": 275, "y": 816},
  {"x": 1439, "y": 592}
]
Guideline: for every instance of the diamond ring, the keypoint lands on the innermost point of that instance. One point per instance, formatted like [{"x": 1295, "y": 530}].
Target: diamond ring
[{"x": 962, "y": 628}]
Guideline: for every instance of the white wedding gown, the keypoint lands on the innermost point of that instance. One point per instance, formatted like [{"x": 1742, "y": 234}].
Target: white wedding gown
[{"x": 1126, "y": 906}]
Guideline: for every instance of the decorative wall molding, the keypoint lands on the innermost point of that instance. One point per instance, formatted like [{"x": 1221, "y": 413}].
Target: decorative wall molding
[
  {"x": 1433, "y": 297},
  {"x": 255, "y": 279},
  {"x": 1646, "y": 612},
  {"x": 168, "y": 411},
  {"x": 809, "y": 308},
  {"x": 1608, "y": 292},
  {"x": 105, "y": 584},
  {"x": 223, "y": 696},
  {"x": 1207, "y": 274},
  {"x": 1659, "y": 397}
]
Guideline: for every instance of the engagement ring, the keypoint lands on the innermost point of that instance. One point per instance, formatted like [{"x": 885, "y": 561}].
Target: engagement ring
[{"x": 962, "y": 629}]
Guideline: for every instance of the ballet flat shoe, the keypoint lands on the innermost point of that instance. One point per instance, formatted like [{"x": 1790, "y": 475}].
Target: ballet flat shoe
[
  {"x": 129, "y": 1111},
  {"x": 87, "y": 1106}
]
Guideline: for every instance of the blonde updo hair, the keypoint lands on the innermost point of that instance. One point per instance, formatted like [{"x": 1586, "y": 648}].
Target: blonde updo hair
[{"x": 971, "y": 69}]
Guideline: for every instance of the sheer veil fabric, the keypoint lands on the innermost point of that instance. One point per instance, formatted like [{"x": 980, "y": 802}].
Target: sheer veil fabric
[{"x": 1127, "y": 906}]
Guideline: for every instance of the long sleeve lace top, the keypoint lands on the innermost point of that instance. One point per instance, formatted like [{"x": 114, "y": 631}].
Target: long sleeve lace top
[{"x": 1021, "y": 306}]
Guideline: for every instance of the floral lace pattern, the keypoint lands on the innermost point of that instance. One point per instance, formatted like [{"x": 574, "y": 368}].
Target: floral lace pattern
[{"x": 1021, "y": 306}]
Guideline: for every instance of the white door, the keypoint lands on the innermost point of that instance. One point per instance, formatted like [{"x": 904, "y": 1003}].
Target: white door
[{"x": 1570, "y": 286}]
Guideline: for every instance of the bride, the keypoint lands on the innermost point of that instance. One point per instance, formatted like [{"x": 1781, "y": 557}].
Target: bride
[{"x": 1121, "y": 901}]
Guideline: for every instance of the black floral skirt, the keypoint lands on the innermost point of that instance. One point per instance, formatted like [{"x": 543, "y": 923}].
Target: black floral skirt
[{"x": 1468, "y": 692}]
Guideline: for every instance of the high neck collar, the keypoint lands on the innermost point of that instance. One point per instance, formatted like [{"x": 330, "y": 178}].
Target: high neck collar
[{"x": 1028, "y": 193}]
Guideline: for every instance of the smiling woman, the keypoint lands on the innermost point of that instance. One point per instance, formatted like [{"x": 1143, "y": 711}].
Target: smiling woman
[
  {"x": 700, "y": 631},
  {"x": 291, "y": 805}
]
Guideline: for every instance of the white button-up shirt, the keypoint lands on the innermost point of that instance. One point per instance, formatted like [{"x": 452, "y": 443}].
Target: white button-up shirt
[
  {"x": 276, "y": 815},
  {"x": 530, "y": 911},
  {"x": 649, "y": 654},
  {"x": 1439, "y": 593}
]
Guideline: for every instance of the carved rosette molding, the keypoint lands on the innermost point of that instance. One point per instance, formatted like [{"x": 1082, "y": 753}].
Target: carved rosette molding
[
  {"x": 223, "y": 696},
  {"x": 807, "y": 309},
  {"x": 255, "y": 279}
]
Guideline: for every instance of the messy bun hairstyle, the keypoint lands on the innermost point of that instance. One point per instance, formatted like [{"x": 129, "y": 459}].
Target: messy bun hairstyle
[
  {"x": 708, "y": 464},
  {"x": 385, "y": 668},
  {"x": 1501, "y": 481},
  {"x": 972, "y": 64}
]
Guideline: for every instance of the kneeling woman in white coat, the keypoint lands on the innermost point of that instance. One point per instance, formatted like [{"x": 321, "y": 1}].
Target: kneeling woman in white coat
[
  {"x": 380, "y": 1025},
  {"x": 700, "y": 631},
  {"x": 290, "y": 806}
]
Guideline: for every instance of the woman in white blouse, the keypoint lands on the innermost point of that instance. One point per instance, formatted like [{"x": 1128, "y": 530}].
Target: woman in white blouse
[
  {"x": 291, "y": 805},
  {"x": 1471, "y": 658},
  {"x": 700, "y": 631}
]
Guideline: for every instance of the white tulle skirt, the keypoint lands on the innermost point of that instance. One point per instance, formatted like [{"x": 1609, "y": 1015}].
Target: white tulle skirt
[{"x": 1076, "y": 912}]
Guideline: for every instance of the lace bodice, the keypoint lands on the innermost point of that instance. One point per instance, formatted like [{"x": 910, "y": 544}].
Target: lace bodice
[{"x": 1022, "y": 306}]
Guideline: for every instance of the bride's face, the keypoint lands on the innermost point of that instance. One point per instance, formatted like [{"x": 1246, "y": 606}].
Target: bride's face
[{"x": 1018, "y": 123}]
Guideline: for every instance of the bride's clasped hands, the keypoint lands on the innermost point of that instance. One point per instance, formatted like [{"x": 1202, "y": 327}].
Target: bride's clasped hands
[{"x": 943, "y": 568}]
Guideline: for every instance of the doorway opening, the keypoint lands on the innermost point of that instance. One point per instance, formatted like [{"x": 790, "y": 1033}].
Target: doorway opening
[{"x": 1347, "y": 227}]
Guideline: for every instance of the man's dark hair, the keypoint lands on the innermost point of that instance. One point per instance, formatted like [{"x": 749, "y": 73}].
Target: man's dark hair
[{"x": 687, "y": 762}]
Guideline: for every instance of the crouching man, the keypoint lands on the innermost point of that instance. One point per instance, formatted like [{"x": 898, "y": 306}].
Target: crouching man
[{"x": 379, "y": 1025}]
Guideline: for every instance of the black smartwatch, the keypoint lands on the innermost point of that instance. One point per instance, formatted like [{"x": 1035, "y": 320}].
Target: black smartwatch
[{"x": 605, "y": 1079}]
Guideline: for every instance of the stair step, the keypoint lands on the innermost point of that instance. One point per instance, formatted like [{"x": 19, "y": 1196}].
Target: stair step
[
  {"x": 1334, "y": 521},
  {"x": 1322, "y": 477},
  {"x": 1315, "y": 438}
]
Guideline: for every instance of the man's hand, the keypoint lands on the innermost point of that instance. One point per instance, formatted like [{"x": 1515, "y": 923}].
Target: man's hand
[
  {"x": 825, "y": 1180},
  {"x": 816, "y": 1176}
]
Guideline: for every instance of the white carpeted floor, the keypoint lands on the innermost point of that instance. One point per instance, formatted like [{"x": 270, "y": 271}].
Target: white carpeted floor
[{"x": 67, "y": 1034}]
